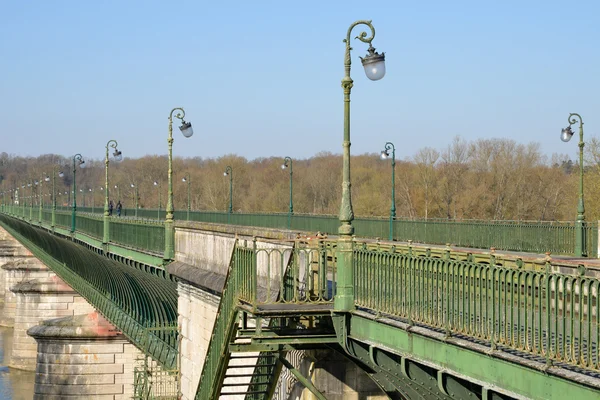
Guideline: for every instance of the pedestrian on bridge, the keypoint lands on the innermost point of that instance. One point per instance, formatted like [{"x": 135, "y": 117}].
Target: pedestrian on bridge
[{"x": 119, "y": 207}]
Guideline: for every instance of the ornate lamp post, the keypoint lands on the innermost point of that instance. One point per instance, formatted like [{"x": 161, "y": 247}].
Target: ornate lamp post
[
  {"x": 118, "y": 192},
  {"x": 31, "y": 185},
  {"x": 287, "y": 162},
  {"x": 580, "y": 236},
  {"x": 40, "y": 210},
  {"x": 384, "y": 155},
  {"x": 374, "y": 65},
  {"x": 118, "y": 156},
  {"x": 186, "y": 178},
  {"x": 60, "y": 174},
  {"x": 229, "y": 172},
  {"x": 159, "y": 186},
  {"x": 187, "y": 131},
  {"x": 77, "y": 160},
  {"x": 135, "y": 200}
]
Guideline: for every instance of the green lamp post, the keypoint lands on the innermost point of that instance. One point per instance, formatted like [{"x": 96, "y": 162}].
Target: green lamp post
[
  {"x": 40, "y": 210},
  {"x": 118, "y": 192},
  {"x": 22, "y": 196},
  {"x": 287, "y": 162},
  {"x": 77, "y": 160},
  {"x": 92, "y": 196},
  {"x": 61, "y": 175},
  {"x": 159, "y": 186},
  {"x": 31, "y": 185},
  {"x": 135, "y": 200},
  {"x": 186, "y": 178},
  {"x": 580, "y": 235},
  {"x": 118, "y": 156},
  {"x": 229, "y": 172},
  {"x": 384, "y": 155},
  {"x": 374, "y": 65},
  {"x": 186, "y": 131}
]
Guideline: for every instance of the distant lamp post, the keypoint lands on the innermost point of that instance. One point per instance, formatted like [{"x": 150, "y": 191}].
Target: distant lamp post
[
  {"x": 60, "y": 175},
  {"x": 229, "y": 172},
  {"x": 385, "y": 154},
  {"x": 92, "y": 195},
  {"x": 288, "y": 163},
  {"x": 118, "y": 192},
  {"x": 186, "y": 178},
  {"x": 117, "y": 156},
  {"x": 159, "y": 186},
  {"x": 186, "y": 131},
  {"x": 31, "y": 185},
  {"x": 374, "y": 65},
  {"x": 40, "y": 210},
  {"x": 580, "y": 236},
  {"x": 77, "y": 161},
  {"x": 135, "y": 200}
]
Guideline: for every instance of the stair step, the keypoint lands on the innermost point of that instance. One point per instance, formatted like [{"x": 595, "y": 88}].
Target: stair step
[
  {"x": 236, "y": 357},
  {"x": 245, "y": 375},
  {"x": 238, "y": 393}
]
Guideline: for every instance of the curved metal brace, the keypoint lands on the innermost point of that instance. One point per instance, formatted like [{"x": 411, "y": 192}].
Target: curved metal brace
[
  {"x": 180, "y": 114},
  {"x": 440, "y": 382}
]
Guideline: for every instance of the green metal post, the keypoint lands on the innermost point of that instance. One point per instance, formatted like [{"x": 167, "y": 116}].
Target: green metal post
[
  {"x": 385, "y": 154},
  {"x": 118, "y": 192},
  {"x": 580, "y": 234},
  {"x": 31, "y": 184},
  {"x": 40, "y": 200},
  {"x": 229, "y": 171},
  {"x": 159, "y": 186},
  {"x": 287, "y": 162},
  {"x": 186, "y": 130},
  {"x": 344, "y": 299},
  {"x": 117, "y": 154},
  {"x": 186, "y": 178},
  {"x": 79, "y": 158},
  {"x": 92, "y": 194},
  {"x": 53, "y": 223}
]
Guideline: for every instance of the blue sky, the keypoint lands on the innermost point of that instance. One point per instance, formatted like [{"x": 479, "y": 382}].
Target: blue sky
[{"x": 262, "y": 78}]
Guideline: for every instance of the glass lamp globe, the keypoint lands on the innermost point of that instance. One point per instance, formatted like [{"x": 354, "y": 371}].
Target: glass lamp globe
[
  {"x": 81, "y": 164},
  {"x": 225, "y": 174},
  {"x": 566, "y": 134},
  {"x": 374, "y": 64},
  {"x": 283, "y": 166},
  {"x": 61, "y": 174},
  {"x": 132, "y": 185},
  {"x": 384, "y": 155},
  {"x": 47, "y": 179},
  {"x": 186, "y": 129},
  {"x": 183, "y": 180},
  {"x": 118, "y": 155}
]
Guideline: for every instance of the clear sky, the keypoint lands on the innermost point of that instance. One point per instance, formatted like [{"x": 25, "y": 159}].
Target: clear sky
[{"x": 262, "y": 78}]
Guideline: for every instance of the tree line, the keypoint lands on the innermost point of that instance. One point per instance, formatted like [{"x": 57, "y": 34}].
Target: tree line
[{"x": 489, "y": 179}]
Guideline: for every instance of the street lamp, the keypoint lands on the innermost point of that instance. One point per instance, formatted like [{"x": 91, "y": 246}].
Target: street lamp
[
  {"x": 187, "y": 131},
  {"x": 135, "y": 190},
  {"x": 92, "y": 194},
  {"x": 580, "y": 236},
  {"x": 118, "y": 156},
  {"x": 118, "y": 192},
  {"x": 31, "y": 185},
  {"x": 287, "y": 162},
  {"x": 77, "y": 160},
  {"x": 374, "y": 65},
  {"x": 384, "y": 155},
  {"x": 186, "y": 178},
  {"x": 229, "y": 172},
  {"x": 39, "y": 185},
  {"x": 60, "y": 174},
  {"x": 159, "y": 186}
]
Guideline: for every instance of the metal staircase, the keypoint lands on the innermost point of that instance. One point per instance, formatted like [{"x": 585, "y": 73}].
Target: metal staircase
[{"x": 260, "y": 319}]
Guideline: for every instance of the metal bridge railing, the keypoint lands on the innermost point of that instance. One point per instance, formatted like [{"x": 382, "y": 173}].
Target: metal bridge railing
[
  {"x": 550, "y": 315},
  {"x": 143, "y": 235}
]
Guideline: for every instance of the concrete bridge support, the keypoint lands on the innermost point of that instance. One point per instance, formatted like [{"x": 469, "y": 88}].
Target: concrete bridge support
[
  {"x": 19, "y": 270},
  {"x": 38, "y": 300},
  {"x": 83, "y": 357}
]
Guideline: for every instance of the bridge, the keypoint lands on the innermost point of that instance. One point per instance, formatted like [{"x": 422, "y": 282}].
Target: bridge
[{"x": 248, "y": 303}]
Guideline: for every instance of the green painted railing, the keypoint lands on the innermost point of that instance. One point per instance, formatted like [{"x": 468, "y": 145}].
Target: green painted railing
[
  {"x": 550, "y": 315},
  {"x": 142, "y": 235},
  {"x": 63, "y": 219},
  {"x": 90, "y": 224},
  {"x": 556, "y": 237}
]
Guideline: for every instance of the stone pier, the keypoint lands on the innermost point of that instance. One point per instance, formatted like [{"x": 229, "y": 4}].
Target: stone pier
[
  {"x": 39, "y": 300},
  {"x": 17, "y": 271},
  {"x": 83, "y": 357}
]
